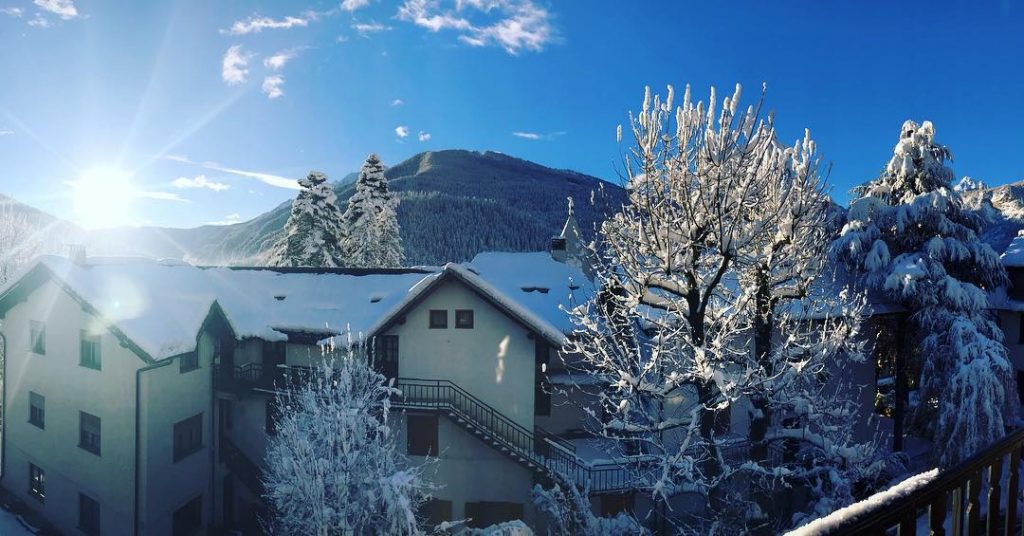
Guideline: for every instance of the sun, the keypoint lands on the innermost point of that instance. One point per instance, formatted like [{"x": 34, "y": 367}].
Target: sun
[{"x": 103, "y": 197}]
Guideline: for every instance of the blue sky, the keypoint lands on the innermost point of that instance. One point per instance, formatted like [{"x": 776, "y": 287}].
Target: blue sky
[{"x": 184, "y": 113}]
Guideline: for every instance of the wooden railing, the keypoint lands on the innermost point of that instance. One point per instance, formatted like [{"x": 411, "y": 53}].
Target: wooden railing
[{"x": 954, "y": 499}]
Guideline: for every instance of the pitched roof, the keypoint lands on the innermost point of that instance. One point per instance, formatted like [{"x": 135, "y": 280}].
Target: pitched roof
[{"x": 160, "y": 307}]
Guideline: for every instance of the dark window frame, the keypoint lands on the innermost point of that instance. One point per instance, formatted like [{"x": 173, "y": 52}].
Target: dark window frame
[
  {"x": 388, "y": 352},
  {"x": 1020, "y": 328},
  {"x": 421, "y": 434},
  {"x": 435, "y": 319},
  {"x": 188, "y": 362},
  {"x": 37, "y": 337},
  {"x": 88, "y": 439},
  {"x": 188, "y": 437},
  {"x": 37, "y": 414},
  {"x": 88, "y": 515},
  {"x": 36, "y": 482},
  {"x": 461, "y": 316},
  {"x": 436, "y": 511},
  {"x": 95, "y": 354}
]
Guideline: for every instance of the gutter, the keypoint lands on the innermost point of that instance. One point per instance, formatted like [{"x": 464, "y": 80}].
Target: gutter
[{"x": 138, "y": 397}]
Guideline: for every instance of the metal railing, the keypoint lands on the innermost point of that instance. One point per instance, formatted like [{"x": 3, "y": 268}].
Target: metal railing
[
  {"x": 955, "y": 498},
  {"x": 539, "y": 448}
]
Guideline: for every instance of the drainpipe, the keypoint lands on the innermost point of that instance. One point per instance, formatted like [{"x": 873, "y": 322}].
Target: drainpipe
[{"x": 138, "y": 397}]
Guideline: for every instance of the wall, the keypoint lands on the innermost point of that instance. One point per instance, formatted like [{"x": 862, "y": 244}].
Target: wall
[
  {"x": 69, "y": 388},
  {"x": 169, "y": 396},
  {"x": 494, "y": 361}
]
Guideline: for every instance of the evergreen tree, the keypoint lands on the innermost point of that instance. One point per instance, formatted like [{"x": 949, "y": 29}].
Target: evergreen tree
[
  {"x": 913, "y": 237},
  {"x": 373, "y": 237},
  {"x": 313, "y": 233}
]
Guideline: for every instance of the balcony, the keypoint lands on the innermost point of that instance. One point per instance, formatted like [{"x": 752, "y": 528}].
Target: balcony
[{"x": 245, "y": 377}]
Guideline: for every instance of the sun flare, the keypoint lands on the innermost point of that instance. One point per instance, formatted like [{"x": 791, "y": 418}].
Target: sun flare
[{"x": 103, "y": 197}]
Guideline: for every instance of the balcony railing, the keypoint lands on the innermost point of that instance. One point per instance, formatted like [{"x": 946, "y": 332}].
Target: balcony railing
[
  {"x": 979, "y": 496},
  {"x": 245, "y": 376}
]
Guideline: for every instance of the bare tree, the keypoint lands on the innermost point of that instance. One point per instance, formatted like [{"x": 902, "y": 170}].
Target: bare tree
[{"x": 708, "y": 305}]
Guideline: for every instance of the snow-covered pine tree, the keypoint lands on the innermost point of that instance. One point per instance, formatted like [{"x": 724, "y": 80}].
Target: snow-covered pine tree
[
  {"x": 333, "y": 468},
  {"x": 313, "y": 234},
  {"x": 719, "y": 216},
  {"x": 373, "y": 237},
  {"x": 913, "y": 238}
]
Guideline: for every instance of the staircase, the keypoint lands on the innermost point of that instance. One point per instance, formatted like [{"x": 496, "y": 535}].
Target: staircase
[
  {"x": 539, "y": 451},
  {"x": 241, "y": 466}
]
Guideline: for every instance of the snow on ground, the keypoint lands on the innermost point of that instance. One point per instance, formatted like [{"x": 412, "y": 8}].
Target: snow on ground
[
  {"x": 10, "y": 526},
  {"x": 879, "y": 500},
  {"x": 1014, "y": 254}
]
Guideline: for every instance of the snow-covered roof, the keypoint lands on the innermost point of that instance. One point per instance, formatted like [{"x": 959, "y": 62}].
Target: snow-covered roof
[
  {"x": 161, "y": 306},
  {"x": 1013, "y": 257},
  {"x": 544, "y": 286}
]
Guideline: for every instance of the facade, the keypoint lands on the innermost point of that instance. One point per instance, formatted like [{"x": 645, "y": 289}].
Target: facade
[{"x": 138, "y": 395}]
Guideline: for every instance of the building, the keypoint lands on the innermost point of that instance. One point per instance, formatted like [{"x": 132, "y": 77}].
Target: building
[{"x": 139, "y": 394}]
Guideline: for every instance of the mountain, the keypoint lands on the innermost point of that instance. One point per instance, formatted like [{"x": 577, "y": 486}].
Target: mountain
[{"x": 453, "y": 205}]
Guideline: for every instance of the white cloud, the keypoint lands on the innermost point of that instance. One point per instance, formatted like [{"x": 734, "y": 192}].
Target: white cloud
[
  {"x": 230, "y": 219},
  {"x": 39, "y": 21},
  {"x": 278, "y": 61},
  {"x": 527, "y": 135},
  {"x": 272, "y": 86},
  {"x": 352, "y": 5},
  {"x": 397, "y": 102},
  {"x": 341, "y": 39},
  {"x": 255, "y": 24},
  {"x": 199, "y": 181},
  {"x": 266, "y": 178},
  {"x": 534, "y": 136},
  {"x": 234, "y": 67},
  {"x": 161, "y": 196},
  {"x": 513, "y": 25},
  {"x": 402, "y": 131},
  {"x": 15, "y": 12},
  {"x": 65, "y": 9},
  {"x": 365, "y": 29},
  {"x": 6, "y": 132},
  {"x": 424, "y": 136}
]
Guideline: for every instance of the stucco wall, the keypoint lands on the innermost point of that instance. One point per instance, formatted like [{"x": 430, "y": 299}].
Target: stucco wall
[
  {"x": 68, "y": 389},
  {"x": 170, "y": 396},
  {"x": 494, "y": 361}
]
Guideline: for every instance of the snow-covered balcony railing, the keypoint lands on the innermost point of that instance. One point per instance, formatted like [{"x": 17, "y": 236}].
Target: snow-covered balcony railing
[
  {"x": 247, "y": 376},
  {"x": 979, "y": 496}
]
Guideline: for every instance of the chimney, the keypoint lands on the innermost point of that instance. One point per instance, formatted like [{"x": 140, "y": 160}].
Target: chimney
[{"x": 76, "y": 252}]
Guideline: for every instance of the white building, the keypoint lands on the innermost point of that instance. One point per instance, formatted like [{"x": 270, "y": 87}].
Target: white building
[{"x": 137, "y": 394}]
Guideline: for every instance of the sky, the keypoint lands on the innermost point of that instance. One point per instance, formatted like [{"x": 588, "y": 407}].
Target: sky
[{"x": 184, "y": 113}]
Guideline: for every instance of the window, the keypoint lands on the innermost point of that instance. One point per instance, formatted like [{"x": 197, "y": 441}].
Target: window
[
  {"x": 438, "y": 319},
  {"x": 37, "y": 334},
  {"x": 88, "y": 515},
  {"x": 436, "y": 511},
  {"x": 90, "y": 356},
  {"x": 421, "y": 434},
  {"x": 487, "y": 513},
  {"x": 37, "y": 409},
  {"x": 188, "y": 362},
  {"x": 36, "y": 482},
  {"x": 188, "y": 520},
  {"x": 188, "y": 436},
  {"x": 387, "y": 364},
  {"x": 89, "y": 432},
  {"x": 464, "y": 319}
]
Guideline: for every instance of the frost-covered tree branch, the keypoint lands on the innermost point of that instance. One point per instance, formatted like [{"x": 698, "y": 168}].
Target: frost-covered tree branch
[{"x": 708, "y": 306}]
